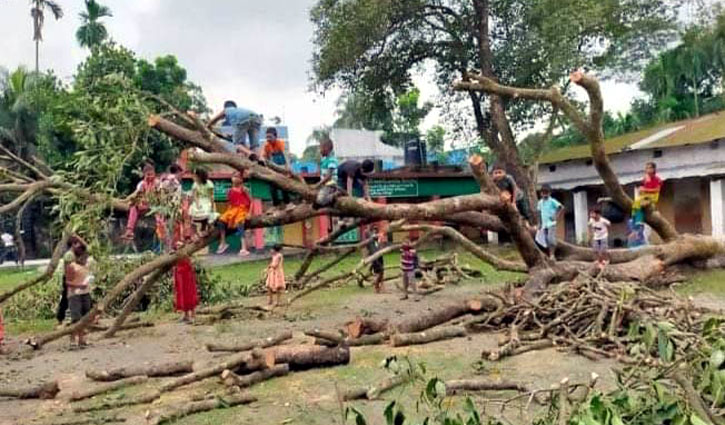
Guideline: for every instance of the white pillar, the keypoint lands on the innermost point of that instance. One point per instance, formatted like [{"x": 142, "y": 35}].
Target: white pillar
[
  {"x": 492, "y": 238},
  {"x": 717, "y": 206},
  {"x": 581, "y": 215}
]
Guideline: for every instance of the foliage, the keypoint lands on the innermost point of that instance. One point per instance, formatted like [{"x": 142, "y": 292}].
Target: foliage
[
  {"x": 93, "y": 32},
  {"x": 435, "y": 139}
]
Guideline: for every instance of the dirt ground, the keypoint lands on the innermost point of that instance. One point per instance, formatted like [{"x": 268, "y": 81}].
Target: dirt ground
[{"x": 305, "y": 398}]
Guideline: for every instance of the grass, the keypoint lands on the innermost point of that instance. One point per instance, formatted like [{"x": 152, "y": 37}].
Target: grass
[
  {"x": 10, "y": 277},
  {"x": 711, "y": 282}
]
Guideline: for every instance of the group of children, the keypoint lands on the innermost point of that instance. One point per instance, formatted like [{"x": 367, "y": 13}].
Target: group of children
[{"x": 550, "y": 210}]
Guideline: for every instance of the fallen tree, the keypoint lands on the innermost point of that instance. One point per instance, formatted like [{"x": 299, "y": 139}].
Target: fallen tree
[{"x": 149, "y": 370}]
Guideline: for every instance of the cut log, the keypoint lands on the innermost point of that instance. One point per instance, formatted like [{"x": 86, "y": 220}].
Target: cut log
[
  {"x": 366, "y": 340},
  {"x": 371, "y": 393},
  {"x": 303, "y": 357},
  {"x": 186, "y": 409},
  {"x": 157, "y": 370},
  {"x": 360, "y": 327},
  {"x": 230, "y": 363},
  {"x": 431, "y": 335},
  {"x": 511, "y": 350},
  {"x": 249, "y": 345},
  {"x": 94, "y": 420},
  {"x": 123, "y": 327},
  {"x": 43, "y": 391},
  {"x": 453, "y": 386},
  {"x": 232, "y": 379},
  {"x": 104, "y": 388},
  {"x": 423, "y": 321},
  {"x": 145, "y": 398},
  {"x": 334, "y": 337}
]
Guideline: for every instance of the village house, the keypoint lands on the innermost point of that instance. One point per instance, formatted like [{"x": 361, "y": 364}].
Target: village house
[{"x": 690, "y": 158}]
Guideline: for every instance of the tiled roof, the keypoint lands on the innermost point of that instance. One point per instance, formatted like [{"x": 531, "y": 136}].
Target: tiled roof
[{"x": 700, "y": 130}]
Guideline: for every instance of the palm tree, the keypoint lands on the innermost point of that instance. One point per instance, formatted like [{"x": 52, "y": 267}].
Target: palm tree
[
  {"x": 37, "y": 11},
  {"x": 93, "y": 32}
]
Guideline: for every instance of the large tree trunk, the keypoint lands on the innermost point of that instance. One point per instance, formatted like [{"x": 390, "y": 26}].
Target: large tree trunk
[{"x": 303, "y": 357}]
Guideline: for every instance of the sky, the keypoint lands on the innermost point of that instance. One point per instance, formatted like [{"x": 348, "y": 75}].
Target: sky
[{"x": 256, "y": 53}]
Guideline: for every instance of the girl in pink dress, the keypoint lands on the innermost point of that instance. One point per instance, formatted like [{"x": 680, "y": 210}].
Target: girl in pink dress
[{"x": 275, "y": 276}]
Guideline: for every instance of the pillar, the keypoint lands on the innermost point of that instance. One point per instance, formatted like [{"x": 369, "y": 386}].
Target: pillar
[
  {"x": 717, "y": 206},
  {"x": 581, "y": 216},
  {"x": 492, "y": 237},
  {"x": 258, "y": 233},
  {"x": 323, "y": 224}
]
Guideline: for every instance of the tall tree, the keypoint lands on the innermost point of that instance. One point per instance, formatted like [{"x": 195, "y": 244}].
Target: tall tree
[
  {"x": 37, "y": 12},
  {"x": 93, "y": 32}
]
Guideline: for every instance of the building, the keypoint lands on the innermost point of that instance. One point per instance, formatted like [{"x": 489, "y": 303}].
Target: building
[
  {"x": 360, "y": 145},
  {"x": 690, "y": 158}
]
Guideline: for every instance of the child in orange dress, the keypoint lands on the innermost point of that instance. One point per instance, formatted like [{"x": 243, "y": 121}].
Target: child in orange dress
[
  {"x": 275, "y": 276},
  {"x": 235, "y": 216}
]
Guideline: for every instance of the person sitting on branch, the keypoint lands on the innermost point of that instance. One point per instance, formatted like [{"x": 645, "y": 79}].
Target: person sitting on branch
[
  {"x": 274, "y": 151},
  {"x": 246, "y": 125},
  {"x": 510, "y": 192},
  {"x": 352, "y": 177},
  {"x": 236, "y": 214},
  {"x": 328, "y": 175},
  {"x": 140, "y": 203},
  {"x": 201, "y": 206},
  {"x": 649, "y": 192}
]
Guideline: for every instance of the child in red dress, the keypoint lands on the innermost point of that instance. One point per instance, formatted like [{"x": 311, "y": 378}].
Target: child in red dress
[
  {"x": 235, "y": 216},
  {"x": 649, "y": 192}
]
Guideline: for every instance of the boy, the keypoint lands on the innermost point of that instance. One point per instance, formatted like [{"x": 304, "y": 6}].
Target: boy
[
  {"x": 549, "y": 212},
  {"x": 235, "y": 215},
  {"x": 510, "y": 191},
  {"x": 352, "y": 177},
  {"x": 408, "y": 265},
  {"x": 649, "y": 192},
  {"x": 377, "y": 267},
  {"x": 599, "y": 236},
  {"x": 274, "y": 151},
  {"x": 79, "y": 278},
  {"x": 328, "y": 175},
  {"x": 246, "y": 125}
]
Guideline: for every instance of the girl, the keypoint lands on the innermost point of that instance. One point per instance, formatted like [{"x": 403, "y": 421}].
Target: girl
[
  {"x": 649, "y": 192},
  {"x": 275, "y": 276},
  {"x": 236, "y": 214},
  {"x": 185, "y": 291},
  {"x": 140, "y": 203},
  {"x": 202, "y": 200}
]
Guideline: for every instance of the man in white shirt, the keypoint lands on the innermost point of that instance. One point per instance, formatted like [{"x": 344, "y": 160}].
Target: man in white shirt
[{"x": 10, "y": 251}]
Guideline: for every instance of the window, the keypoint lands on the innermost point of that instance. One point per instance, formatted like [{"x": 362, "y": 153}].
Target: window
[
  {"x": 657, "y": 153},
  {"x": 552, "y": 168}
]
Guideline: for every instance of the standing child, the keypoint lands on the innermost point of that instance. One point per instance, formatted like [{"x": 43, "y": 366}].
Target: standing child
[
  {"x": 328, "y": 174},
  {"x": 649, "y": 192},
  {"x": 377, "y": 267},
  {"x": 235, "y": 216},
  {"x": 185, "y": 291},
  {"x": 202, "y": 200},
  {"x": 599, "y": 236},
  {"x": 274, "y": 151},
  {"x": 79, "y": 278},
  {"x": 550, "y": 210},
  {"x": 275, "y": 276},
  {"x": 408, "y": 265}
]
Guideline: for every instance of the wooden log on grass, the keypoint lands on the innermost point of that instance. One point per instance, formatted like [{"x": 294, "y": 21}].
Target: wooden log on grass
[
  {"x": 425, "y": 337},
  {"x": 360, "y": 327},
  {"x": 177, "y": 412},
  {"x": 230, "y": 363},
  {"x": 249, "y": 345},
  {"x": 376, "y": 339},
  {"x": 88, "y": 420},
  {"x": 456, "y": 385},
  {"x": 514, "y": 350},
  {"x": 44, "y": 391},
  {"x": 108, "y": 387},
  {"x": 303, "y": 357},
  {"x": 144, "y": 398},
  {"x": 153, "y": 370},
  {"x": 335, "y": 338},
  {"x": 232, "y": 379},
  {"x": 438, "y": 316},
  {"x": 373, "y": 392}
]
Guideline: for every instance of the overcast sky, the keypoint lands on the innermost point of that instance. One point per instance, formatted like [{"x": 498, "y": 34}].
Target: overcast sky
[{"x": 257, "y": 53}]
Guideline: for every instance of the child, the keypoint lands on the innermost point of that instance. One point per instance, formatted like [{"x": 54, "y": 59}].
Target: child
[
  {"x": 377, "y": 267},
  {"x": 79, "y": 279},
  {"x": 408, "y": 265},
  {"x": 599, "y": 235},
  {"x": 635, "y": 235},
  {"x": 185, "y": 291},
  {"x": 328, "y": 174},
  {"x": 275, "y": 276},
  {"x": 510, "y": 191},
  {"x": 649, "y": 192},
  {"x": 202, "y": 200},
  {"x": 352, "y": 177},
  {"x": 235, "y": 216},
  {"x": 140, "y": 201},
  {"x": 549, "y": 210},
  {"x": 274, "y": 151}
]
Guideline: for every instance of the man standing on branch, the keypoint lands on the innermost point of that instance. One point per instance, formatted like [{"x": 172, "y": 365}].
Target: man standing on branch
[{"x": 245, "y": 123}]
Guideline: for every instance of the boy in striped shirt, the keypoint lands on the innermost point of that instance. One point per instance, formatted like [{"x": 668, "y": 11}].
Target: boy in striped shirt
[{"x": 408, "y": 264}]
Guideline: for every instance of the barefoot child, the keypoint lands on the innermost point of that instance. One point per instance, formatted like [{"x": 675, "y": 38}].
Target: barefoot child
[
  {"x": 79, "y": 279},
  {"x": 377, "y": 267},
  {"x": 328, "y": 174},
  {"x": 510, "y": 191},
  {"x": 274, "y": 151},
  {"x": 275, "y": 276},
  {"x": 649, "y": 192},
  {"x": 202, "y": 201},
  {"x": 235, "y": 216},
  {"x": 408, "y": 265},
  {"x": 185, "y": 290},
  {"x": 550, "y": 210},
  {"x": 599, "y": 236},
  {"x": 140, "y": 202}
]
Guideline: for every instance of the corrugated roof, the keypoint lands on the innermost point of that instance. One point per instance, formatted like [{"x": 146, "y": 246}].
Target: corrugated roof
[
  {"x": 689, "y": 132},
  {"x": 361, "y": 143}
]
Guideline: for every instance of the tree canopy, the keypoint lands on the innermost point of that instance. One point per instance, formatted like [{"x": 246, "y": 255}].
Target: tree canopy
[{"x": 93, "y": 32}]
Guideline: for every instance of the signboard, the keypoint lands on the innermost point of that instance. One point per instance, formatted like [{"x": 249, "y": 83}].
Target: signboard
[
  {"x": 393, "y": 188},
  {"x": 350, "y": 237}
]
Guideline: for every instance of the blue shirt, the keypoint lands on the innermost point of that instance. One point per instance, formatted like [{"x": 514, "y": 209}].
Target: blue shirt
[
  {"x": 549, "y": 208},
  {"x": 328, "y": 166},
  {"x": 235, "y": 116}
]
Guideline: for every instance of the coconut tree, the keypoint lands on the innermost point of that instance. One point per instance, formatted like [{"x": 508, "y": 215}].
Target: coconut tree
[
  {"x": 37, "y": 11},
  {"x": 93, "y": 32}
]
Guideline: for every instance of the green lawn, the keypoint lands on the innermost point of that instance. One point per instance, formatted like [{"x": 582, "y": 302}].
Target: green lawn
[
  {"x": 12, "y": 276},
  {"x": 710, "y": 282}
]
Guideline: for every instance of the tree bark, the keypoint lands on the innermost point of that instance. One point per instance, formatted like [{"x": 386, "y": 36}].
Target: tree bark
[
  {"x": 105, "y": 388},
  {"x": 457, "y": 385},
  {"x": 303, "y": 357},
  {"x": 174, "y": 413},
  {"x": 360, "y": 327},
  {"x": 145, "y": 398},
  {"x": 423, "y": 321},
  {"x": 249, "y": 345},
  {"x": 232, "y": 379},
  {"x": 43, "y": 391},
  {"x": 425, "y": 337},
  {"x": 371, "y": 393},
  {"x": 231, "y": 363},
  {"x": 153, "y": 371}
]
